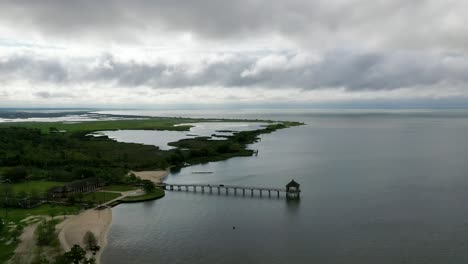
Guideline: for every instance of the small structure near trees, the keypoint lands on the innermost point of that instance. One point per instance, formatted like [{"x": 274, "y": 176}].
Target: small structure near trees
[
  {"x": 292, "y": 190},
  {"x": 79, "y": 186}
]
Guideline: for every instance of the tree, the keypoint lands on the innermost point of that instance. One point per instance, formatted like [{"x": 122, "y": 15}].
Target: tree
[
  {"x": 90, "y": 241},
  {"x": 148, "y": 186},
  {"x": 76, "y": 255},
  {"x": 2, "y": 225},
  {"x": 131, "y": 178}
]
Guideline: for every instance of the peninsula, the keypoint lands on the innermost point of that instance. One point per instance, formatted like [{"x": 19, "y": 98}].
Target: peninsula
[{"x": 54, "y": 176}]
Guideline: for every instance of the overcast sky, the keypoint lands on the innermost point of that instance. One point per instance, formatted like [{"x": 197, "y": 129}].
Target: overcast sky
[{"x": 150, "y": 53}]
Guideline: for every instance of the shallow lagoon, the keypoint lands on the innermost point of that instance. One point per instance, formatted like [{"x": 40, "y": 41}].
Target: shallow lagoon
[{"x": 162, "y": 138}]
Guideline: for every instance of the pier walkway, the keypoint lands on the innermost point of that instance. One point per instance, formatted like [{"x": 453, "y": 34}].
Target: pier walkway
[{"x": 231, "y": 189}]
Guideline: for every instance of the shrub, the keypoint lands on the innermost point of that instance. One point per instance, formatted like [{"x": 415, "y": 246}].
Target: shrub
[
  {"x": 76, "y": 255},
  {"x": 46, "y": 233},
  {"x": 148, "y": 186}
]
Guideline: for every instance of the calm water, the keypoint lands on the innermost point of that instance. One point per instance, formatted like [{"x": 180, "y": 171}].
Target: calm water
[
  {"x": 162, "y": 138},
  {"x": 377, "y": 188}
]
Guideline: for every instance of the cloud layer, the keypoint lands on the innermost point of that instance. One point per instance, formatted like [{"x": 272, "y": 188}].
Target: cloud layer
[
  {"x": 338, "y": 69},
  {"x": 55, "y": 49},
  {"x": 403, "y": 24}
]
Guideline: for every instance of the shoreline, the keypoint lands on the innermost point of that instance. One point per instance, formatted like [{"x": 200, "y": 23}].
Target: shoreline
[
  {"x": 73, "y": 229},
  {"x": 156, "y": 176}
]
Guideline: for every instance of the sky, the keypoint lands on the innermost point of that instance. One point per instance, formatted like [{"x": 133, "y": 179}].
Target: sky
[{"x": 159, "y": 53}]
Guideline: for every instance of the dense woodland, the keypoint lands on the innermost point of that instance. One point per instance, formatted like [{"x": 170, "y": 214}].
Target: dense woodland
[
  {"x": 65, "y": 157},
  {"x": 35, "y": 154}
]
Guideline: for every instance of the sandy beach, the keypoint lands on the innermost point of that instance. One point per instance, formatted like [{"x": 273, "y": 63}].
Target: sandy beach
[
  {"x": 73, "y": 229},
  {"x": 156, "y": 176}
]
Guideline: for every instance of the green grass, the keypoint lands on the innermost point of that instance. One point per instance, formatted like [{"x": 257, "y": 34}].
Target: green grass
[
  {"x": 39, "y": 186},
  {"x": 100, "y": 197},
  {"x": 153, "y": 123},
  {"x": 156, "y": 194},
  {"x": 146, "y": 124},
  {"x": 6, "y": 251},
  {"x": 15, "y": 215},
  {"x": 120, "y": 188}
]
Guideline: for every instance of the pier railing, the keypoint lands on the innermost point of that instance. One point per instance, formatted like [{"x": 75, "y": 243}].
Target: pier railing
[{"x": 229, "y": 189}]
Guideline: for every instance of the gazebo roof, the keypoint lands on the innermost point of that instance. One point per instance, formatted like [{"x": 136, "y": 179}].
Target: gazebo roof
[{"x": 292, "y": 183}]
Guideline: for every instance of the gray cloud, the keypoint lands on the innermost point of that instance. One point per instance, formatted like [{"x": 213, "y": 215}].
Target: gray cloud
[
  {"x": 49, "y": 95},
  {"x": 354, "y": 71},
  {"x": 398, "y": 23},
  {"x": 32, "y": 68}
]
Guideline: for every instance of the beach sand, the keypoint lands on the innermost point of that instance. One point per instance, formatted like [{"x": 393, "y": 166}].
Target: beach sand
[
  {"x": 156, "y": 176},
  {"x": 73, "y": 229}
]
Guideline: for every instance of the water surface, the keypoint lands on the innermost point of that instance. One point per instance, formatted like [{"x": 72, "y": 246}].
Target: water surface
[{"x": 377, "y": 188}]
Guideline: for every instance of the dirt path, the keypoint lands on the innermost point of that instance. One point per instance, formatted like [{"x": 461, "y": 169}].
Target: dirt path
[{"x": 26, "y": 248}]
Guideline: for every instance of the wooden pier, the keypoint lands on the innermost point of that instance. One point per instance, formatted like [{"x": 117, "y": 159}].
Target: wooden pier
[{"x": 289, "y": 192}]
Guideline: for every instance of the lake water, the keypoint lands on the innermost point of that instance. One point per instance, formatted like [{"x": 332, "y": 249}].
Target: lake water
[
  {"x": 162, "y": 138},
  {"x": 380, "y": 187}
]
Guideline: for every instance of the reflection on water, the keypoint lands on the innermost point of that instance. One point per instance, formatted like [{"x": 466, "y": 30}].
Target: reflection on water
[{"x": 293, "y": 205}]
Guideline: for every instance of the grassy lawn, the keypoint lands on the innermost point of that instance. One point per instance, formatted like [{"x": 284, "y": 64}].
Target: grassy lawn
[
  {"x": 150, "y": 124},
  {"x": 157, "y": 193},
  {"x": 120, "y": 188},
  {"x": 100, "y": 197},
  {"x": 40, "y": 186},
  {"x": 15, "y": 215}
]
